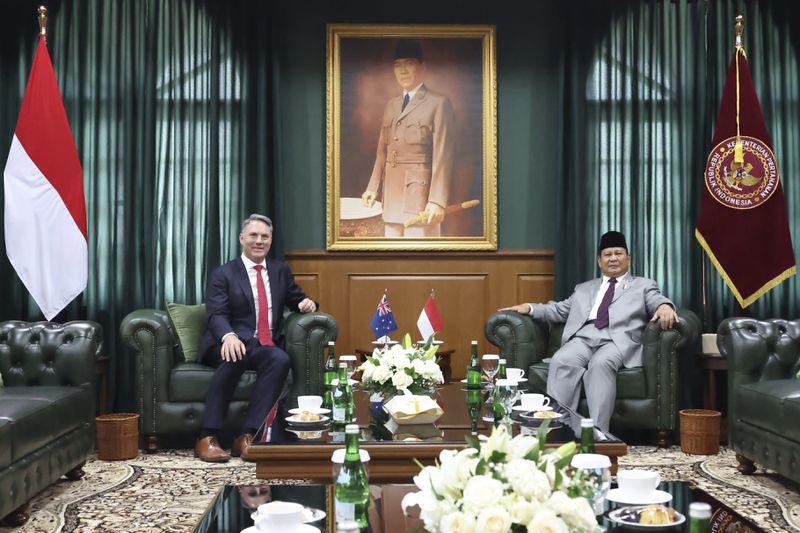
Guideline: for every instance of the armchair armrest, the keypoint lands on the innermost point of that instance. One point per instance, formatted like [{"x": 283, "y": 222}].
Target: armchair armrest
[
  {"x": 521, "y": 339},
  {"x": 149, "y": 334},
  {"x": 306, "y": 336}
]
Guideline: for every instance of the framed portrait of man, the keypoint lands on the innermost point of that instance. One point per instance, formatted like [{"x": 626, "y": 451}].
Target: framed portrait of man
[{"x": 411, "y": 137}]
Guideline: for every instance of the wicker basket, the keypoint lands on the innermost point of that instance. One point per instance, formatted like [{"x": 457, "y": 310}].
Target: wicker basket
[
  {"x": 117, "y": 436},
  {"x": 700, "y": 431}
]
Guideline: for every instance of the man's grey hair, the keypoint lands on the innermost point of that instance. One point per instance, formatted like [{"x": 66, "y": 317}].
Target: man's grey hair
[{"x": 255, "y": 217}]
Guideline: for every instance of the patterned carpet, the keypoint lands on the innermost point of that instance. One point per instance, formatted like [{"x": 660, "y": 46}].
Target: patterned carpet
[{"x": 171, "y": 490}]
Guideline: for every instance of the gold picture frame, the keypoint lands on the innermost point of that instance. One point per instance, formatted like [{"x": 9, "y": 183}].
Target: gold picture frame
[{"x": 432, "y": 156}]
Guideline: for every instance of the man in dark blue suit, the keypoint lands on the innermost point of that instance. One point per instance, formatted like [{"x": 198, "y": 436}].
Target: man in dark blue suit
[{"x": 244, "y": 309}]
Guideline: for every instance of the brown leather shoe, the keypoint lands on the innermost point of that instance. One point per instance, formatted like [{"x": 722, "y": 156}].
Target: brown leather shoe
[
  {"x": 209, "y": 450},
  {"x": 240, "y": 444}
]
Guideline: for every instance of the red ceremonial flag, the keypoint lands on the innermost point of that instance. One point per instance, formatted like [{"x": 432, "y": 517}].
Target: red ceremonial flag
[
  {"x": 45, "y": 209},
  {"x": 429, "y": 321},
  {"x": 743, "y": 225}
]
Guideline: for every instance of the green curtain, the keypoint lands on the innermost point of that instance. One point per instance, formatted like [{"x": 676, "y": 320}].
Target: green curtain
[
  {"x": 643, "y": 82},
  {"x": 170, "y": 104}
]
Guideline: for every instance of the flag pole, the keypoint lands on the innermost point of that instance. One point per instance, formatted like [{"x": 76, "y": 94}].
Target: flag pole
[
  {"x": 738, "y": 152},
  {"x": 42, "y": 10}
]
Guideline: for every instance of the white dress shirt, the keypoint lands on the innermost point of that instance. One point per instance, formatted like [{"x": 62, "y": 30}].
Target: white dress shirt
[{"x": 412, "y": 92}]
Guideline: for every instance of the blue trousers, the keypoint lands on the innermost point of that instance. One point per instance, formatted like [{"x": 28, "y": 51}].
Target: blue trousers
[{"x": 271, "y": 365}]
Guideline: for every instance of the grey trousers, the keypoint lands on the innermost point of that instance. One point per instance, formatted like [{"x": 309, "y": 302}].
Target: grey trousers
[{"x": 590, "y": 356}]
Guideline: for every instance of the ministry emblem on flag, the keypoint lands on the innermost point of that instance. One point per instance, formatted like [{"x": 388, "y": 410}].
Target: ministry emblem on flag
[{"x": 741, "y": 185}]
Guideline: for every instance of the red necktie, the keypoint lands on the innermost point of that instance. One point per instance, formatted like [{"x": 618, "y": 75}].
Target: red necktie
[
  {"x": 264, "y": 335},
  {"x": 602, "y": 312}
]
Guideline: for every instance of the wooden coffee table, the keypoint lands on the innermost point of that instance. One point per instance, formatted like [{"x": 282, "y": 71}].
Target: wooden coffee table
[{"x": 393, "y": 461}]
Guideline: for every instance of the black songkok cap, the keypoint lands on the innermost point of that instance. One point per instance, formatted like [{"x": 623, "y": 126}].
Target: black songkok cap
[
  {"x": 612, "y": 239},
  {"x": 407, "y": 48}
]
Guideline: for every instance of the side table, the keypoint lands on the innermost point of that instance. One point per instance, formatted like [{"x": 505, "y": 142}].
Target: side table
[
  {"x": 711, "y": 364},
  {"x": 442, "y": 356}
]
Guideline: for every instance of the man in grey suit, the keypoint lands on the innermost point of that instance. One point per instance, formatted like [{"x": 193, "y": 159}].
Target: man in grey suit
[
  {"x": 414, "y": 158},
  {"x": 604, "y": 319}
]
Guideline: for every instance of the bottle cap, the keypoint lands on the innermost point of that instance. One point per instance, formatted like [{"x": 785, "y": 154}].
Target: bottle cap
[
  {"x": 700, "y": 510},
  {"x": 334, "y": 382},
  {"x": 587, "y": 422},
  {"x": 330, "y": 343},
  {"x": 474, "y": 342},
  {"x": 351, "y": 428},
  {"x": 347, "y": 526},
  {"x": 342, "y": 365},
  {"x": 502, "y": 361}
]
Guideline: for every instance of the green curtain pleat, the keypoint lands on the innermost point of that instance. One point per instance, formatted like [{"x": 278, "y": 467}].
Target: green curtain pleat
[{"x": 643, "y": 87}]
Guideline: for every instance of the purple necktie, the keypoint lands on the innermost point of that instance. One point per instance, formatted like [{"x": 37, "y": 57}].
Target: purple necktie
[{"x": 602, "y": 312}]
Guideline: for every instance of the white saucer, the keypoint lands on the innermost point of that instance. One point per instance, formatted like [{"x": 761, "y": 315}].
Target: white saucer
[
  {"x": 525, "y": 409},
  {"x": 300, "y": 528},
  {"x": 319, "y": 411},
  {"x": 483, "y": 383},
  {"x": 519, "y": 380},
  {"x": 657, "y": 496}
]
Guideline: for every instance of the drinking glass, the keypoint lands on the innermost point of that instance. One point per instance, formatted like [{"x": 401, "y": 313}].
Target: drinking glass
[
  {"x": 505, "y": 391},
  {"x": 490, "y": 363},
  {"x": 352, "y": 365}
]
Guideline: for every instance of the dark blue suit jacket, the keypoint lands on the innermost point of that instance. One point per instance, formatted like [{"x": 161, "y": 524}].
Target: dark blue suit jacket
[{"x": 230, "y": 305}]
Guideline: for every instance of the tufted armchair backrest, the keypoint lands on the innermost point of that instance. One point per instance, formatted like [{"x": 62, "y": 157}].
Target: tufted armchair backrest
[
  {"x": 49, "y": 354},
  {"x": 759, "y": 350}
]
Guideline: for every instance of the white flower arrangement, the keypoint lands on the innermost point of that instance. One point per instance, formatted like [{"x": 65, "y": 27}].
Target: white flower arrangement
[
  {"x": 501, "y": 484},
  {"x": 404, "y": 366}
]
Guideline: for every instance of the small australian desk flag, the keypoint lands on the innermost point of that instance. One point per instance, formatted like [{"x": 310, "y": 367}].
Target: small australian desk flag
[{"x": 382, "y": 322}]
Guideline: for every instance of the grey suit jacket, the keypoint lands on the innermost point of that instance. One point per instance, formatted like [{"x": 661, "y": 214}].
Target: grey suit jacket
[{"x": 635, "y": 301}]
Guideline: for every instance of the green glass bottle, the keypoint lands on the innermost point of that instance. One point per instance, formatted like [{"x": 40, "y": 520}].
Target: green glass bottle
[
  {"x": 501, "y": 369},
  {"x": 699, "y": 517},
  {"x": 474, "y": 367},
  {"x": 587, "y": 435},
  {"x": 351, "y": 488},
  {"x": 328, "y": 377},
  {"x": 342, "y": 398},
  {"x": 474, "y": 408}
]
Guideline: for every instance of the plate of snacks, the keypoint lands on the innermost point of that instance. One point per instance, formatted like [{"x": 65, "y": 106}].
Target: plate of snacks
[
  {"x": 540, "y": 416},
  {"x": 307, "y": 418},
  {"x": 647, "y": 517}
]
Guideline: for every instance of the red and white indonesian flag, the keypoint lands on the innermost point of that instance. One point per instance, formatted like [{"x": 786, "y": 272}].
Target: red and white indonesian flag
[
  {"x": 429, "y": 321},
  {"x": 45, "y": 210}
]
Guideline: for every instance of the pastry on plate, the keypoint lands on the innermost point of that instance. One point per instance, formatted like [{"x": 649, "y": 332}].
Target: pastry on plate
[{"x": 657, "y": 515}]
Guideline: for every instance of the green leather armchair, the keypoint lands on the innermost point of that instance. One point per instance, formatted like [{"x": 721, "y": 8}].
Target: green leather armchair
[
  {"x": 763, "y": 392},
  {"x": 647, "y": 396},
  {"x": 171, "y": 392}
]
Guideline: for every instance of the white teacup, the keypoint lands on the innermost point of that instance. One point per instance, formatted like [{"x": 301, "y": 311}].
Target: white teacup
[
  {"x": 533, "y": 401},
  {"x": 309, "y": 403},
  {"x": 638, "y": 481},
  {"x": 272, "y": 516},
  {"x": 515, "y": 373}
]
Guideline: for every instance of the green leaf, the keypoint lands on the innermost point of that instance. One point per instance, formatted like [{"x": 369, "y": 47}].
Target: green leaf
[
  {"x": 374, "y": 360},
  {"x": 409, "y": 371},
  {"x": 533, "y": 454},
  {"x": 473, "y": 442},
  {"x": 567, "y": 450},
  {"x": 428, "y": 343},
  {"x": 542, "y": 434},
  {"x": 563, "y": 462},
  {"x": 497, "y": 457},
  {"x": 480, "y": 468},
  {"x": 406, "y": 341},
  {"x": 430, "y": 352},
  {"x": 557, "y": 480}
]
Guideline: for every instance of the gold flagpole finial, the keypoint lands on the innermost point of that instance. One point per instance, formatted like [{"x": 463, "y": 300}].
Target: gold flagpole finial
[
  {"x": 42, "y": 20},
  {"x": 739, "y": 30}
]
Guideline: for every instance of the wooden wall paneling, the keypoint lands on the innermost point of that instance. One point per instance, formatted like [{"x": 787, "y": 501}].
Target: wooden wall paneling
[{"x": 468, "y": 288}]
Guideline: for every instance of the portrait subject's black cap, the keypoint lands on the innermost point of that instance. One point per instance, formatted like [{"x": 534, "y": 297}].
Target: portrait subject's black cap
[
  {"x": 408, "y": 49},
  {"x": 612, "y": 239}
]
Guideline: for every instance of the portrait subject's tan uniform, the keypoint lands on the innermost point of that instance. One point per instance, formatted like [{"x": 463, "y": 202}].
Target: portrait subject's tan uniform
[{"x": 414, "y": 161}]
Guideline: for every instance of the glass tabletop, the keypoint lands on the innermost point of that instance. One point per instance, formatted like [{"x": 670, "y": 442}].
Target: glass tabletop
[{"x": 465, "y": 412}]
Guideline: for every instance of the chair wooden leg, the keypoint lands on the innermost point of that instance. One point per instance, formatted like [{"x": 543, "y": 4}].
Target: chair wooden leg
[
  {"x": 664, "y": 438},
  {"x": 76, "y": 473},
  {"x": 17, "y": 517},
  {"x": 151, "y": 443},
  {"x": 746, "y": 466}
]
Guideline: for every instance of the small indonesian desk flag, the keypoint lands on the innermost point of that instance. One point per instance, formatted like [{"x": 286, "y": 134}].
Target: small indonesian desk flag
[
  {"x": 45, "y": 210},
  {"x": 743, "y": 225},
  {"x": 429, "y": 321}
]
